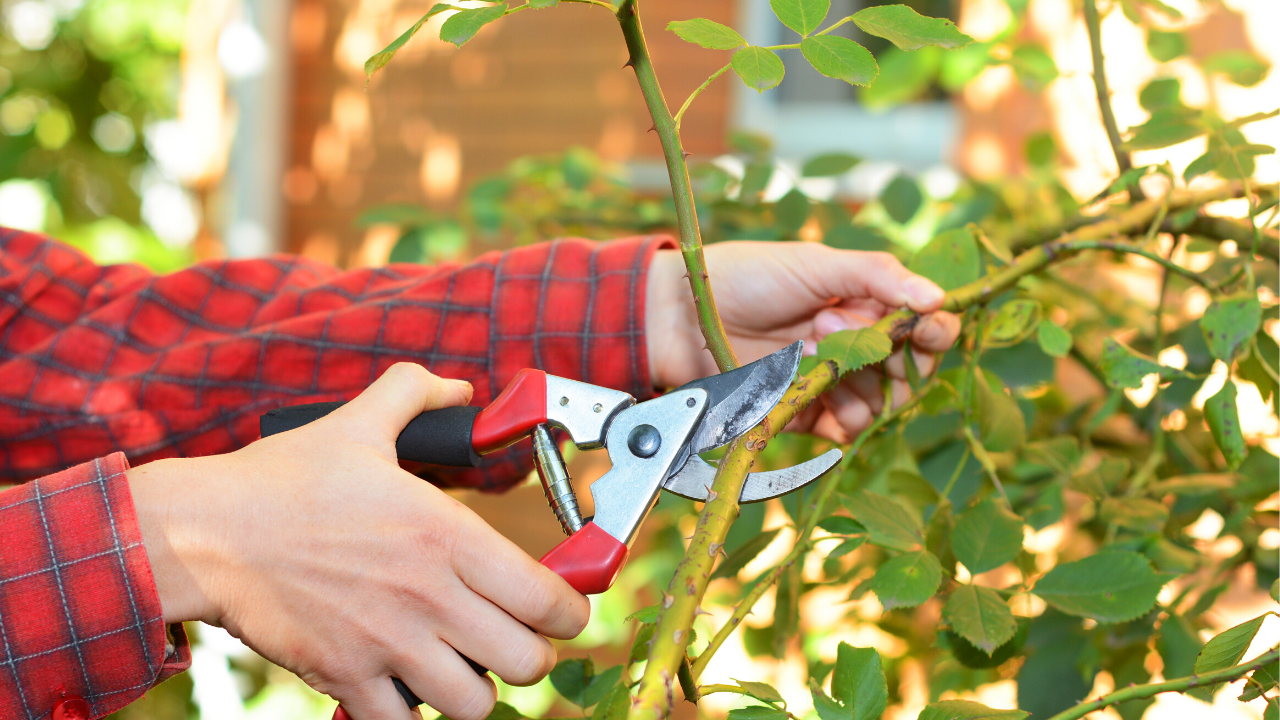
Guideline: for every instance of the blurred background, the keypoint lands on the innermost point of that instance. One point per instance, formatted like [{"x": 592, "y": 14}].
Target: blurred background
[{"x": 171, "y": 131}]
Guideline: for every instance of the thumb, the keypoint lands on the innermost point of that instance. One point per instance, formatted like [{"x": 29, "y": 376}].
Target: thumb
[{"x": 404, "y": 391}]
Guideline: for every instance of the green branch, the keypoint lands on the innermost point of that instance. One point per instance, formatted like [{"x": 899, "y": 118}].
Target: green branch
[
  {"x": 1138, "y": 692},
  {"x": 681, "y": 189},
  {"x": 1094, "y": 23},
  {"x": 680, "y": 115}
]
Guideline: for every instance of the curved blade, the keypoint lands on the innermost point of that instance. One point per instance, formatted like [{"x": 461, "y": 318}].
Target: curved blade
[
  {"x": 694, "y": 479},
  {"x": 741, "y": 398}
]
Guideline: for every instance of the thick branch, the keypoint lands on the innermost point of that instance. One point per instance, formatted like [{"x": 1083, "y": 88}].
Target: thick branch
[
  {"x": 1138, "y": 692},
  {"x": 1222, "y": 229},
  {"x": 1094, "y": 23},
  {"x": 681, "y": 189}
]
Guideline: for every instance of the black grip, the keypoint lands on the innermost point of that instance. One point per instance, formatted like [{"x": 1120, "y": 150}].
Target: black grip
[{"x": 439, "y": 437}]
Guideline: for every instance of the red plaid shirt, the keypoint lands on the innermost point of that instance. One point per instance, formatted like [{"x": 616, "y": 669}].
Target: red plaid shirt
[{"x": 99, "y": 364}]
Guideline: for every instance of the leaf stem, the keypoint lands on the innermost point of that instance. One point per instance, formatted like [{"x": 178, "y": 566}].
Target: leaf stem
[
  {"x": 680, "y": 115},
  {"x": 1138, "y": 692},
  {"x": 1094, "y": 23},
  {"x": 681, "y": 190}
]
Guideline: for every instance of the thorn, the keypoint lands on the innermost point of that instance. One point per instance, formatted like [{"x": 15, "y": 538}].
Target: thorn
[
  {"x": 699, "y": 611},
  {"x": 629, "y": 63},
  {"x": 652, "y": 128},
  {"x": 713, "y": 549},
  {"x": 705, "y": 276},
  {"x": 685, "y": 276},
  {"x": 684, "y": 154},
  {"x": 667, "y": 600}
]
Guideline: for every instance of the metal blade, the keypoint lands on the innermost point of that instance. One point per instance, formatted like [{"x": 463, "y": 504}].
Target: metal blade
[
  {"x": 741, "y": 398},
  {"x": 694, "y": 479}
]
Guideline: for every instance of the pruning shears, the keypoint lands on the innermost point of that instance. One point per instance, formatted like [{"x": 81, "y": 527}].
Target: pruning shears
[{"x": 653, "y": 445}]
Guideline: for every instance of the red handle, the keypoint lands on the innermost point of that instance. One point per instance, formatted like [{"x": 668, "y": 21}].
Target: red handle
[
  {"x": 589, "y": 559},
  {"x": 520, "y": 408}
]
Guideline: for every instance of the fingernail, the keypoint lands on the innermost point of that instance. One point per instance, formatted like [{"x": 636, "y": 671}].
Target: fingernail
[
  {"x": 829, "y": 322},
  {"x": 923, "y": 293}
]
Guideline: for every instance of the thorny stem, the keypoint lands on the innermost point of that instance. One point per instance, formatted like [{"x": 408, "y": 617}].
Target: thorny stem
[
  {"x": 689, "y": 583},
  {"x": 1138, "y": 692},
  {"x": 681, "y": 190},
  {"x": 1094, "y": 23}
]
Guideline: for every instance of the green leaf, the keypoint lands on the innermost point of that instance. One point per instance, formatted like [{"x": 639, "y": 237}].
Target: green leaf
[
  {"x": 380, "y": 60},
  {"x": 841, "y": 525},
  {"x": 1001, "y": 426},
  {"x": 840, "y": 58},
  {"x": 1167, "y": 126},
  {"x": 967, "y": 710},
  {"x": 829, "y": 164},
  {"x": 901, "y": 198},
  {"x": 1108, "y": 587},
  {"x": 745, "y": 553},
  {"x": 1229, "y": 323},
  {"x": 1273, "y": 709},
  {"x": 1165, "y": 46},
  {"x": 464, "y": 25},
  {"x": 646, "y": 614},
  {"x": 1033, "y": 65},
  {"x": 907, "y": 580},
  {"x": 1227, "y": 647},
  {"x": 1160, "y": 93},
  {"x": 888, "y": 524},
  {"x": 600, "y": 685},
  {"x": 1140, "y": 514},
  {"x": 791, "y": 211},
  {"x": 802, "y": 16},
  {"x": 760, "y": 69},
  {"x": 846, "y": 547},
  {"x": 950, "y": 259},
  {"x": 904, "y": 76},
  {"x": 1239, "y": 66},
  {"x": 571, "y": 677},
  {"x": 986, "y": 536},
  {"x": 1266, "y": 680},
  {"x": 1013, "y": 322},
  {"x": 1275, "y": 591},
  {"x": 757, "y": 712},
  {"x": 981, "y": 616},
  {"x": 908, "y": 29},
  {"x": 708, "y": 34},
  {"x": 1224, "y": 424},
  {"x": 764, "y": 692},
  {"x": 827, "y": 708},
  {"x": 503, "y": 711},
  {"x": 1126, "y": 368},
  {"x": 615, "y": 705},
  {"x": 858, "y": 682},
  {"x": 640, "y": 648},
  {"x": 855, "y": 349},
  {"x": 1053, "y": 339},
  {"x": 1040, "y": 149}
]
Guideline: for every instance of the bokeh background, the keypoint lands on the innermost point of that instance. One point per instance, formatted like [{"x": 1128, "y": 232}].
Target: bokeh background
[{"x": 171, "y": 131}]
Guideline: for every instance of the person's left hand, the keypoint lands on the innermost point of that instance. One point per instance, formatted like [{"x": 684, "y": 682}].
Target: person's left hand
[{"x": 771, "y": 294}]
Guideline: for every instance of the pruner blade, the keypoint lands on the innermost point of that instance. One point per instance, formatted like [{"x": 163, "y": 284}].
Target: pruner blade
[{"x": 694, "y": 479}]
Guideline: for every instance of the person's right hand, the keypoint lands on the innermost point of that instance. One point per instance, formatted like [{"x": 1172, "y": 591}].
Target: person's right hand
[{"x": 319, "y": 552}]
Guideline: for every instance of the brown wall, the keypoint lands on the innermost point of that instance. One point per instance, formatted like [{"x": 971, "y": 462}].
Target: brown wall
[{"x": 535, "y": 82}]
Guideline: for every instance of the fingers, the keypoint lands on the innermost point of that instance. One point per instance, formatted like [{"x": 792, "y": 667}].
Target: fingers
[
  {"x": 375, "y": 699},
  {"x": 403, "y": 392},
  {"x": 936, "y": 333},
  {"x": 515, "y": 582},
  {"x": 489, "y": 636},
  {"x": 443, "y": 680},
  {"x": 879, "y": 275}
]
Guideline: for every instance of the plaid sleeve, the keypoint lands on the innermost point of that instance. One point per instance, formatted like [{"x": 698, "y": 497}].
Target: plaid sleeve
[
  {"x": 97, "y": 359},
  {"x": 79, "y": 614}
]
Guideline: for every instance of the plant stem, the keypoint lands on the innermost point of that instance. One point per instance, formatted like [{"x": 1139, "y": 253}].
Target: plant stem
[
  {"x": 680, "y": 115},
  {"x": 681, "y": 189},
  {"x": 1138, "y": 692},
  {"x": 1094, "y": 23}
]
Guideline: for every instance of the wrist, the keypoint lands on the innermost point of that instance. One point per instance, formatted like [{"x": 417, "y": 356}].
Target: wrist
[{"x": 162, "y": 497}]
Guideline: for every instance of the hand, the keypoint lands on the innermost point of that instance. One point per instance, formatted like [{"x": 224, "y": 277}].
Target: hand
[
  {"x": 771, "y": 294},
  {"x": 318, "y": 551}
]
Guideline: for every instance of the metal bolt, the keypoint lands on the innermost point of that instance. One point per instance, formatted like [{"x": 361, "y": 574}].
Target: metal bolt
[
  {"x": 598, "y": 407},
  {"x": 690, "y": 402},
  {"x": 644, "y": 441},
  {"x": 564, "y": 401}
]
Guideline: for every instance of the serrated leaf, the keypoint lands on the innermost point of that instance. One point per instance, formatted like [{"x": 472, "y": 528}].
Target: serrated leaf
[
  {"x": 857, "y": 682},
  {"x": 1126, "y": 368},
  {"x": 760, "y": 69},
  {"x": 745, "y": 553},
  {"x": 829, "y": 164},
  {"x": 840, "y": 58},
  {"x": 1013, "y": 322},
  {"x": 1001, "y": 425},
  {"x": 614, "y": 706},
  {"x": 907, "y": 580},
  {"x": 1221, "y": 414},
  {"x": 908, "y": 29},
  {"x": 640, "y": 648},
  {"x": 888, "y": 524},
  {"x": 802, "y": 16},
  {"x": 1140, "y": 514},
  {"x": 901, "y": 199},
  {"x": 757, "y": 712},
  {"x": 1108, "y": 587},
  {"x": 846, "y": 547},
  {"x": 791, "y": 211},
  {"x": 986, "y": 536},
  {"x": 950, "y": 259},
  {"x": 380, "y": 59},
  {"x": 1166, "y": 127},
  {"x": 1053, "y": 339},
  {"x": 1160, "y": 93},
  {"x": 1061, "y": 453},
  {"x": 464, "y": 25},
  {"x": 841, "y": 525},
  {"x": 600, "y": 685},
  {"x": 967, "y": 710},
  {"x": 646, "y": 614},
  {"x": 855, "y": 349},
  {"x": 1227, "y": 647},
  {"x": 764, "y": 692},
  {"x": 981, "y": 616},
  {"x": 1265, "y": 679},
  {"x": 571, "y": 677},
  {"x": 827, "y": 708},
  {"x": 707, "y": 33},
  {"x": 1229, "y": 323}
]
